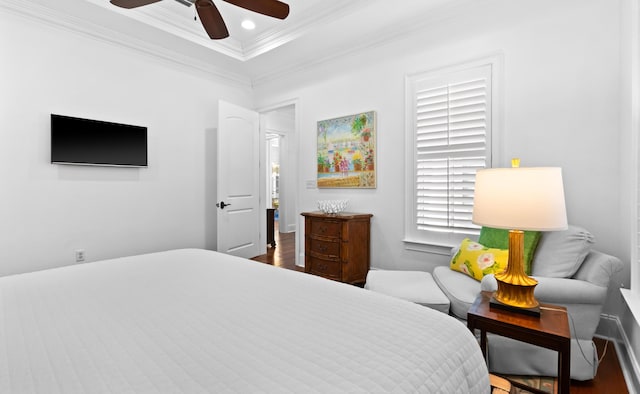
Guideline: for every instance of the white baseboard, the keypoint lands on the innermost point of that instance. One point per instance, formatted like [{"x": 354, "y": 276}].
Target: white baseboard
[{"x": 611, "y": 328}]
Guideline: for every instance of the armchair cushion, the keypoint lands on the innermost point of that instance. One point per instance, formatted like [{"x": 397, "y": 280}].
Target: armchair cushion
[
  {"x": 560, "y": 253},
  {"x": 461, "y": 290}
]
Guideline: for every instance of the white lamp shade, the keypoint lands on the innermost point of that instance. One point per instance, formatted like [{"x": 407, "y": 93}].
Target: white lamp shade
[{"x": 527, "y": 198}]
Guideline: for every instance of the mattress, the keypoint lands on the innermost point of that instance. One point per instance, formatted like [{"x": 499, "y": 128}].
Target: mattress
[{"x": 196, "y": 321}]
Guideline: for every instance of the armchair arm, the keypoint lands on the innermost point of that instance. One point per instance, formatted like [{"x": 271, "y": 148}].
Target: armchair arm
[
  {"x": 569, "y": 291},
  {"x": 558, "y": 290},
  {"x": 598, "y": 268}
]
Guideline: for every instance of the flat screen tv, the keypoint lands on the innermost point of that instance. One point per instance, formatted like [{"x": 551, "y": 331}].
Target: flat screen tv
[{"x": 94, "y": 142}]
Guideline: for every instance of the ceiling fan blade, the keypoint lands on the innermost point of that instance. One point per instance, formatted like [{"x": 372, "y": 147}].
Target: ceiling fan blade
[
  {"x": 274, "y": 8},
  {"x": 211, "y": 19},
  {"x": 132, "y": 3}
]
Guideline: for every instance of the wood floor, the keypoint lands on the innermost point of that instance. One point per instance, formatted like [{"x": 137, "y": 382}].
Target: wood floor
[
  {"x": 283, "y": 255},
  {"x": 609, "y": 379}
]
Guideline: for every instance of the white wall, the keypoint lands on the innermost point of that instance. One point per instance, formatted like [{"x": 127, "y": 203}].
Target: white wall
[
  {"x": 47, "y": 211},
  {"x": 560, "y": 107}
]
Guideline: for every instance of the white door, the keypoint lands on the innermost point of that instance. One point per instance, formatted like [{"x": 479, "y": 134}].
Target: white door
[{"x": 238, "y": 180}]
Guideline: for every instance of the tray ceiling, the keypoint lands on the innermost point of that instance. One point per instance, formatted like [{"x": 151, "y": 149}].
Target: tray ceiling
[{"x": 315, "y": 31}]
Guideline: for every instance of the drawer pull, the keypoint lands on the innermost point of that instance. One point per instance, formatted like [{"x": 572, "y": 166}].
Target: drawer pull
[
  {"x": 323, "y": 229},
  {"x": 323, "y": 267},
  {"x": 323, "y": 248}
]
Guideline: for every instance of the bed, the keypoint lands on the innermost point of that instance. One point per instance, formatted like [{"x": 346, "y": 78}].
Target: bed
[{"x": 197, "y": 321}]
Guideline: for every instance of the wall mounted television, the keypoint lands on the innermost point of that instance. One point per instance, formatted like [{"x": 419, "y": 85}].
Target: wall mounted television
[{"x": 94, "y": 142}]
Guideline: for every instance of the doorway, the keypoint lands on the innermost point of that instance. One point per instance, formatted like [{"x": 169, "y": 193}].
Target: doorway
[
  {"x": 278, "y": 125},
  {"x": 273, "y": 172}
]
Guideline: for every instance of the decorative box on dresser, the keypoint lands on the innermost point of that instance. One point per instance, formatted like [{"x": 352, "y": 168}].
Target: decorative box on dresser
[{"x": 337, "y": 245}]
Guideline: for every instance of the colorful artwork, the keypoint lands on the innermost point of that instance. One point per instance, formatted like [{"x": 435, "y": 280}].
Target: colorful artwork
[{"x": 347, "y": 151}]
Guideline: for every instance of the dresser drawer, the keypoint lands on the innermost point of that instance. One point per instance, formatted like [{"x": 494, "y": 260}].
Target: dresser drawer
[
  {"x": 325, "y": 228},
  {"x": 327, "y": 248},
  {"x": 331, "y": 269}
]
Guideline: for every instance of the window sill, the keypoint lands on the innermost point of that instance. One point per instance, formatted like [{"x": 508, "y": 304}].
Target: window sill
[
  {"x": 632, "y": 299},
  {"x": 426, "y": 247}
]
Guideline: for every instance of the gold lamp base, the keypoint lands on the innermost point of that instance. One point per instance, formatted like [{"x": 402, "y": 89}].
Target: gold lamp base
[{"x": 515, "y": 288}]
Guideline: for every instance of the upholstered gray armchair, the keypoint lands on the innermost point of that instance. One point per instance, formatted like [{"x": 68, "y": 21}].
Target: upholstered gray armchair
[{"x": 570, "y": 274}]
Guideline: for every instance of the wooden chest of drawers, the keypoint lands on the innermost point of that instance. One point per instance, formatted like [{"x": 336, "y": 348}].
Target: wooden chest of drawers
[{"x": 337, "y": 246}]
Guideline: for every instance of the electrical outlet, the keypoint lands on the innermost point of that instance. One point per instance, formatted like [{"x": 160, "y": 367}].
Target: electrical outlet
[{"x": 79, "y": 255}]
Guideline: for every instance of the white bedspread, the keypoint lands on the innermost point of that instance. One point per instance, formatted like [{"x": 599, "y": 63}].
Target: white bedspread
[{"x": 195, "y": 321}]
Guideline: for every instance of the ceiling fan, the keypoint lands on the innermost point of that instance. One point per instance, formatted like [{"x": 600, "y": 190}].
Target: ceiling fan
[{"x": 210, "y": 16}]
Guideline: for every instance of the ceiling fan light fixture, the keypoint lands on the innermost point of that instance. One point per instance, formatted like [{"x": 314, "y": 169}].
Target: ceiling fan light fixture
[
  {"x": 248, "y": 24},
  {"x": 210, "y": 16}
]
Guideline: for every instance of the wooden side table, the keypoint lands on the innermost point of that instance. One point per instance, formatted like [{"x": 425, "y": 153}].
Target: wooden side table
[{"x": 550, "y": 330}]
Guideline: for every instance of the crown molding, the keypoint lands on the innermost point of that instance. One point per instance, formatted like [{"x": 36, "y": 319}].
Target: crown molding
[
  {"x": 53, "y": 17},
  {"x": 164, "y": 18},
  {"x": 314, "y": 17},
  {"x": 387, "y": 35}
]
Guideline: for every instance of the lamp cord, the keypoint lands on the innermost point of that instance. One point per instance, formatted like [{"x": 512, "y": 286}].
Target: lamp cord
[{"x": 573, "y": 324}]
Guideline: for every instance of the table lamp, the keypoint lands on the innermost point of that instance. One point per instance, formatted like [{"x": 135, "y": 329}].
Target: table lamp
[{"x": 518, "y": 199}]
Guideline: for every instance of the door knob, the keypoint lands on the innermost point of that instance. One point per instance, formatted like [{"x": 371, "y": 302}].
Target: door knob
[{"x": 221, "y": 205}]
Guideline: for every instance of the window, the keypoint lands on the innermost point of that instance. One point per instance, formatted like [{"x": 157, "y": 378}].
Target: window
[{"x": 449, "y": 123}]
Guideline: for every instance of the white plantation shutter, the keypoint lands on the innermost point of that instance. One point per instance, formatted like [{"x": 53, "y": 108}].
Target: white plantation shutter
[{"x": 451, "y": 141}]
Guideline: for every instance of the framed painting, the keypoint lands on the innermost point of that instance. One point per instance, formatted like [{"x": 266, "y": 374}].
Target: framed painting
[{"x": 347, "y": 151}]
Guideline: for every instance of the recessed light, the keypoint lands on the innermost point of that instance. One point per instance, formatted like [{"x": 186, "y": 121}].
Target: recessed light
[{"x": 249, "y": 25}]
